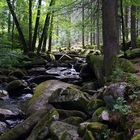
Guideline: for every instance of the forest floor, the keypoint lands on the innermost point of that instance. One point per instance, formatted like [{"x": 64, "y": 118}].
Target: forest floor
[{"x": 136, "y": 62}]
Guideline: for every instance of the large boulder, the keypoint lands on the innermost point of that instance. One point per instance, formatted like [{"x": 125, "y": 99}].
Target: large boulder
[
  {"x": 61, "y": 130},
  {"x": 17, "y": 73},
  {"x": 69, "y": 98},
  {"x": 15, "y": 87},
  {"x": 95, "y": 63},
  {"x": 71, "y": 113},
  {"x": 3, "y": 127},
  {"x": 42, "y": 93},
  {"x": 120, "y": 89}
]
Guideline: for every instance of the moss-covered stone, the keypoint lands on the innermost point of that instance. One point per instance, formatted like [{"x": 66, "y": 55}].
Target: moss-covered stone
[
  {"x": 94, "y": 104},
  {"x": 68, "y": 113},
  {"x": 73, "y": 120},
  {"x": 58, "y": 129},
  {"x": 42, "y": 93},
  {"x": 82, "y": 128},
  {"x": 69, "y": 98},
  {"x": 96, "y": 126},
  {"x": 39, "y": 129},
  {"x": 95, "y": 62},
  {"x": 88, "y": 136},
  {"x": 97, "y": 114},
  {"x": 16, "y": 85},
  {"x": 17, "y": 73},
  {"x": 137, "y": 137}
]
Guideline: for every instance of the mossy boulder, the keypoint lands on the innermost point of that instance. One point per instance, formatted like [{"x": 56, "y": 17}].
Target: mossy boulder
[
  {"x": 101, "y": 114},
  {"x": 82, "y": 128},
  {"x": 94, "y": 104},
  {"x": 95, "y": 63},
  {"x": 137, "y": 137},
  {"x": 96, "y": 126},
  {"x": 42, "y": 93},
  {"x": 69, "y": 113},
  {"x": 69, "y": 98},
  {"x": 88, "y": 136},
  {"x": 18, "y": 74},
  {"x": 73, "y": 120},
  {"x": 3, "y": 78},
  {"x": 120, "y": 89},
  {"x": 3, "y": 127},
  {"x": 40, "y": 131},
  {"x": 58, "y": 129},
  {"x": 15, "y": 87}
]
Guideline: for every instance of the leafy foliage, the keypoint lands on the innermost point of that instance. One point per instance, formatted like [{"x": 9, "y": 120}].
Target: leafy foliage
[
  {"x": 9, "y": 58},
  {"x": 121, "y": 106}
]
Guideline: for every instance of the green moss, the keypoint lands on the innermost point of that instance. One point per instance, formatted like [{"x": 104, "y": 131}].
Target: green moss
[
  {"x": 43, "y": 123},
  {"x": 94, "y": 104},
  {"x": 38, "y": 91},
  {"x": 88, "y": 136},
  {"x": 99, "y": 110},
  {"x": 136, "y": 125},
  {"x": 96, "y": 126},
  {"x": 95, "y": 62},
  {"x": 73, "y": 120},
  {"x": 137, "y": 137}
]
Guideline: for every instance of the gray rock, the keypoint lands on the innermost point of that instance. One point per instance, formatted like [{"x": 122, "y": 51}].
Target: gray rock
[
  {"x": 3, "y": 127},
  {"x": 69, "y": 98},
  {"x": 121, "y": 89},
  {"x": 5, "y": 113},
  {"x": 15, "y": 86},
  {"x": 58, "y": 129}
]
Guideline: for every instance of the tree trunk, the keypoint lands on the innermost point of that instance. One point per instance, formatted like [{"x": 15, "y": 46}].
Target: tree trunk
[
  {"x": 30, "y": 25},
  {"x": 44, "y": 35},
  {"x": 123, "y": 28},
  {"x": 98, "y": 28},
  {"x": 22, "y": 39},
  {"x": 133, "y": 27},
  {"x": 83, "y": 25},
  {"x": 110, "y": 33},
  {"x": 45, "y": 30},
  {"x": 126, "y": 22},
  {"x": 50, "y": 35},
  {"x": 36, "y": 25}
]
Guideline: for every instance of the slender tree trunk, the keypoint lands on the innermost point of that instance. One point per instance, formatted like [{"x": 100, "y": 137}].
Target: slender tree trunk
[
  {"x": 110, "y": 33},
  {"x": 50, "y": 35},
  {"x": 98, "y": 28},
  {"x": 9, "y": 22},
  {"x": 133, "y": 27},
  {"x": 44, "y": 35},
  {"x": 123, "y": 28},
  {"x": 13, "y": 26},
  {"x": 36, "y": 25},
  {"x": 83, "y": 25},
  {"x": 126, "y": 22},
  {"x": 25, "y": 48},
  {"x": 30, "y": 25}
]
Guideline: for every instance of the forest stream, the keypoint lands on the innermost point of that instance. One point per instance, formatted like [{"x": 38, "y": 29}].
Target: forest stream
[{"x": 46, "y": 99}]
